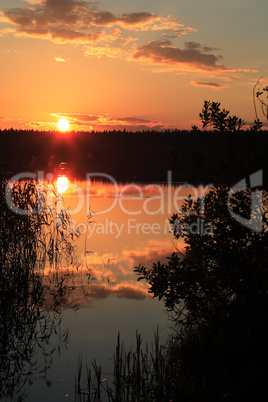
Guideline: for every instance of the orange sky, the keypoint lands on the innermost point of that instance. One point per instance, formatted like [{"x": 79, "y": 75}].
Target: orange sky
[{"x": 124, "y": 64}]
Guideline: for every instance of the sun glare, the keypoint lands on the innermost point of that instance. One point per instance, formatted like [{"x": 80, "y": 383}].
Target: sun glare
[
  {"x": 63, "y": 125},
  {"x": 62, "y": 184}
]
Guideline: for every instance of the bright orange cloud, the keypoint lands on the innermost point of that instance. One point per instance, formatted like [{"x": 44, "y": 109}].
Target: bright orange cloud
[
  {"x": 60, "y": 59},
  {"x": 6, "y": 31},
  {"x": 102, "y": 51}
]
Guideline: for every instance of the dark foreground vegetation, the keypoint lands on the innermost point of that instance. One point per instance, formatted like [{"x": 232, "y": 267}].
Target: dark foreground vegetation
[
  {"x": 30, "y": 303},
  {"x": 216, "y": 294}
]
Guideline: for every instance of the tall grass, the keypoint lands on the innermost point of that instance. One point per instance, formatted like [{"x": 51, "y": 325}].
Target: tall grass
[
  {"x": 140, "y": 374},
  {"x": 30, "y": 326}
]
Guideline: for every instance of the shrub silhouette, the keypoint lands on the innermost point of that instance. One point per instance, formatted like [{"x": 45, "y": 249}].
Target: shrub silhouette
[
  {"x": 212, "y": 115},
  {"x": 216, "y": 293}
]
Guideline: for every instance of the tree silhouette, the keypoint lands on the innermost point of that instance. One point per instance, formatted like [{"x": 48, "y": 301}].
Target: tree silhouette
[
  {"x": 216, "y": 293},
  {"x": 220, "y": 120},
  {"x": 261, "y": 94}
]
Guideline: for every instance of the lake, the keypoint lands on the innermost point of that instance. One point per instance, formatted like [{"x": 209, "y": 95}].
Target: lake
[{"x": 116, "y": 227}]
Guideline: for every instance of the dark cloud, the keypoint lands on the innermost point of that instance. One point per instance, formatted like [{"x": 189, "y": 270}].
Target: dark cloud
[
  {"x": 196, "y": 45},
  {"x": 102, "y": 18},
  {"x": 136, "y": 18},
  {"x": 61, "y": 35},
  {"x": 207, "y": 84},
  {"x": 210, "y": 49},
  {"x": 64, "y": 6},
  {"x": 133, "y": 120},
  {"x": 192, "y": 45},
  {"x": 69, "y": 20},
  {"x": 165, "y": 52}
]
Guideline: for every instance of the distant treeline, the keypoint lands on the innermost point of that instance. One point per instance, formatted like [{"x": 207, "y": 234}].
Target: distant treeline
[{"x": 207, "y": 157}]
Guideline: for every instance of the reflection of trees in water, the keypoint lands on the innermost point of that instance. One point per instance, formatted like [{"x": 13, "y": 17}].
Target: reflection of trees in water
[{"x": 30, "y": 305}]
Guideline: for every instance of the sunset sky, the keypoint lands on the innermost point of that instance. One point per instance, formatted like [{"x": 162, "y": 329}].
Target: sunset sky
[{"x": 128, "y": 64}]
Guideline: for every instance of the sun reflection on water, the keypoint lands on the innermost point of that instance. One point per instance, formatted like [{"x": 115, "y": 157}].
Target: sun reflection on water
[{"x": 62, "y": 183}]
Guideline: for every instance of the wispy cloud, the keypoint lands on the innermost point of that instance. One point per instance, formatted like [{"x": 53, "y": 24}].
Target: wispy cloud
[
  {"x": 83, "y": 121},
  {"x": 86, "y": 122},
  {"x": 5, "y": 118},
  {"x": 103, "y": 51},
  {"x": 60, "y": 59},
  {"x": 125, "y": 291},
  {"x": 196, "y": 45},
  {"x": 35, "y": 1},
  {"x": 207, "y": 84},
  {"x": 6, "y": 31}
]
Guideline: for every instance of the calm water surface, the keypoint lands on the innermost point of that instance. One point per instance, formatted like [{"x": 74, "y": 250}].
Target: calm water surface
[{"x": 120, "y": 226}]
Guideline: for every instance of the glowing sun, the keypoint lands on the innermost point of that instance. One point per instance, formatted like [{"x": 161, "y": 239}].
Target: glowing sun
[{"x": 63, "y": 125}]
